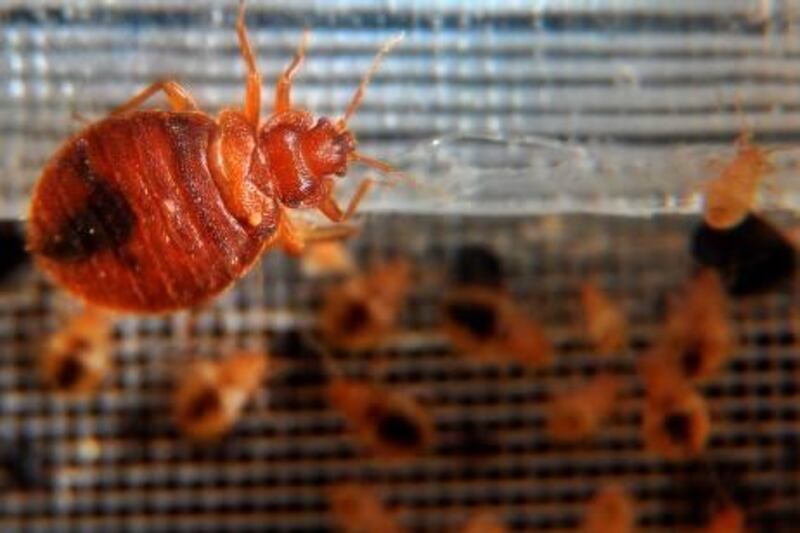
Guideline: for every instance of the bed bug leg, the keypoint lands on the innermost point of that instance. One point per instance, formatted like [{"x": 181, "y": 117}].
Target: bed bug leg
[
  {"x": 331, "y": 209},
  {"x": 252, "y": 99},
  {"x": 283, "y": 89},
  {"x": 178, "y": 98}
]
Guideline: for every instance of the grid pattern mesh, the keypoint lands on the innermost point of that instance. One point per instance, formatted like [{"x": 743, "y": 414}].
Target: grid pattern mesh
[{"x": 115, "y": 461}]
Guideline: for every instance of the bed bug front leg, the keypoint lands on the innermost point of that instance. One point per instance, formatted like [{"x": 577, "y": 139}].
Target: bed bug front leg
[
  {"x": 331, "y": 209},
  {"x": 178, "y": 98},
  {"x": 252, "y": 99},
  {"x": 283, "y": 89}
]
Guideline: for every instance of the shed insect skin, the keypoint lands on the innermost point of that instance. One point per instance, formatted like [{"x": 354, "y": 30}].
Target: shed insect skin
[
  {"x": 374, "y": 413},
  {"x": 489, "y": 326},
  {"x": 606, "y": 325},
  {"x": 576, "y": 414},
  {"x": 211, "y": 395},
  {"x": 155, "y": 211},
  {"x": 611, "y": 510},
  {"x": 363, "y": 310},
  {"x": 77, "y": 358},
  {"x": 697, "y": 339},
  {"x": 730, "y": 196},
  {"x": 357, "y": 509}
]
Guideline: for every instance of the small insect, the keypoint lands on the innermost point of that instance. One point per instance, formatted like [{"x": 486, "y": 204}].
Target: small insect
[
  {"x": 484, "y": 522},
  {"x": 489, "y": 325},
  {"x": 676, "y": 421},
  {"x": 391, "y": 424},
  {"x": 153, "y": 211},
  {"x": 611, "y": 510},
  {"x": 729, "y": 519},
  {"x": 577, "y": 414},
  {"x": 210, "y": 396},
  {"x": 362, "y": 311},
  {"x": 606, "y": 325},
  {"x": 697, "y": 339},
  {"x": 358, "y": 509},
  {"x": 77, "y": 358},
  {"x": 729, "y": 197}
]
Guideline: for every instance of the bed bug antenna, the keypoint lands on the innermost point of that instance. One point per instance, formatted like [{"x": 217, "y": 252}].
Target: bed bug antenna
[{"x": 359, "y": 94}]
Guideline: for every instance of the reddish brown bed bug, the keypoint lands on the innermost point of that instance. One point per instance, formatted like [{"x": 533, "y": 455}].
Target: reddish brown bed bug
[
  {"x": 697, "y": 339},
  {"x": 152, "y": 211},
  {"x": 606, "y": 325},
  {"x": 392, "y": 425},
  {"x": 363, "y": 310},
  {"x": 358, "y": 509},
  {"x": 487, "y": 324},
  {"x": 611, "y": 510},
  {"x": 484, "y": 522},
  {"x": 210, "y": 396},
  {"x": 730, "y": 196},
  {"x": 676, "y": 422},
  {"x": 576, "y": 414},
  {"x": 77, "y": 358}
]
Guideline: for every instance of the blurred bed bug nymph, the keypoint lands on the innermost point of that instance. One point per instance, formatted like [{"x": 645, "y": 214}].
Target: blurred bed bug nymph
[
  {"x": 391, "y": 424},
  {"x": 77, "y": 358},
  {"x": 606, "y": 325},
  {"x": 358, "y": 509},
  {"x": 577, "y": 414},
  {"x": 611, "y": 510},
  {"x": 676, "y": 421},
  {"x": 211, "y": 395},
  {"x": 361, "y": 312},
  {"x": 151, "y": 211}
]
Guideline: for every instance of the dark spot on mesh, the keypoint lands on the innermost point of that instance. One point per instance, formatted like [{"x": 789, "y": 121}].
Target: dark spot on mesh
[
  {"x": 678, "y": 426},
  {"x": 354, "y": 318},
  {"x": 105, "y": 221},
  {"x": 69, "y": 372},
  {"x": 479, "y": 319},
  {"x": 692, "y": 360},
  {"x": 204, "y": 404},
  {"x": 399, "y": 430},
  {"x": 12, "y": 243},
  {"x": 307, "y": 367},
  {"x": 476, "y": 265},
  {"x": 752, "y": 257}
]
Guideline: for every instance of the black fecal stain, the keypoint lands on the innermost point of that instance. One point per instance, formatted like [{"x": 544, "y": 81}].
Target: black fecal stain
[
  {"x": 12, "y": 244},
  {"x": 480, "y": 319},
  {"x": 24, "y": 463},
  {"x": 476, "y": 265},
  {"x": 752, "y": 257},
  {"x": 105, "y": 221},
  {"x": 354, "y": 318},
  {"x": 692, "y": 360},
  {"x": 205, "y": 404},
  {"x": 307, "y": 366},
  {"x": 69, "y": 372},
  {"x": 399, "y": 429},
  {"x": 678, "y": 426}
]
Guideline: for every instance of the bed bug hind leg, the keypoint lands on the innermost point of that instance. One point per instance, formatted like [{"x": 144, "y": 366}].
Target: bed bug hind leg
[
  {"x": 178, "y": 98},
  {"x": 283, "y": 89},
  {"x": 252, "y": 99}
]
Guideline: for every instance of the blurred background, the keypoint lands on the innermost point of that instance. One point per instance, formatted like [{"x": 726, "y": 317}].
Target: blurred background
[{"x": 568, "y": 136}]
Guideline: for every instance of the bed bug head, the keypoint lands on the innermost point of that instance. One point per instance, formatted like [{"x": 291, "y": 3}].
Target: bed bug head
[{"x": 341, "y": 147}]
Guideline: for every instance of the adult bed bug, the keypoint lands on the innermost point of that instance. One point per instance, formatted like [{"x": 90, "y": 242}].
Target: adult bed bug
[{"x": 151, "y": 211}]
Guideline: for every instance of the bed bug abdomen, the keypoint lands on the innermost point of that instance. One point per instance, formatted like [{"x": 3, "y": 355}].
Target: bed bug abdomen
[{"x": 127, "y": 215}]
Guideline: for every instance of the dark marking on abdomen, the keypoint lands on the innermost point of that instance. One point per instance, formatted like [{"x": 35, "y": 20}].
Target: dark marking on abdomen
[{"x": 105, "y": 221}]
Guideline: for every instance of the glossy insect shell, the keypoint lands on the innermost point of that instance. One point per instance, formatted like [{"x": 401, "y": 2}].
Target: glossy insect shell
[{"x": 127, "y": 215}]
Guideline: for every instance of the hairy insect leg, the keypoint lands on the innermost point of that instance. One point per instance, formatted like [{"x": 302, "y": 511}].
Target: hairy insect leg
[
  {"x": 252, "y": 99},
  {"x": 283, "y": 89},
  {"x": 293, "y": 238},
  {"x": 330, "y": 208},
  {"x": 178, "y": 98}
]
